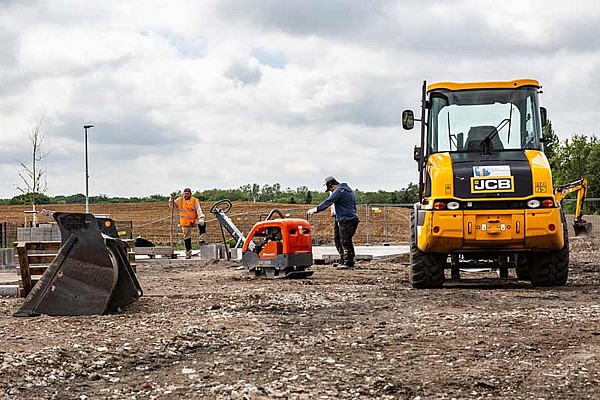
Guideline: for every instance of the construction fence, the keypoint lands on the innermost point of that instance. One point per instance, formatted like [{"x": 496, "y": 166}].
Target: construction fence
[
  {"x": 379, "y": 224},
  {"x": 8, "y": 234}
]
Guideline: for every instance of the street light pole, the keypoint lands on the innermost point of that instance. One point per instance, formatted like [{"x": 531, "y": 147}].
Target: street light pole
[{"x": 87, "y": 176}]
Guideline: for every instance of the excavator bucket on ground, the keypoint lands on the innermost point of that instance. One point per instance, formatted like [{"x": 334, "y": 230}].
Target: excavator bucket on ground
[
  {"x": 582, "y": 228},
  {"x": 90, "y": 274}
]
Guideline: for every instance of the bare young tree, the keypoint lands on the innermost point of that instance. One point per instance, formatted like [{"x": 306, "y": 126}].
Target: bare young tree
[{"x": 33, "y": 175}]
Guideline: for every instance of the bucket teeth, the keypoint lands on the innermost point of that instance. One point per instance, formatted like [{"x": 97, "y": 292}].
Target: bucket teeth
[{"x": 582, "y": 228}]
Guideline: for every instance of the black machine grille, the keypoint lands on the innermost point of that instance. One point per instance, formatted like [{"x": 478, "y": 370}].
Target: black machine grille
[{"x": 463, "y": 164}]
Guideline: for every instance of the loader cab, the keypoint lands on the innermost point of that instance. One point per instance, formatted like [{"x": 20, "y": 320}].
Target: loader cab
[
  {"x": 483, "y": 117},
  {"x": 478, "y": 123}
]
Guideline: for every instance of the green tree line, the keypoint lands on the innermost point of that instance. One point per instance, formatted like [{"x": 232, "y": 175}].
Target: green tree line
[
  {"x": 249, "y": 192},
  {"x": 575, "y": 158}
]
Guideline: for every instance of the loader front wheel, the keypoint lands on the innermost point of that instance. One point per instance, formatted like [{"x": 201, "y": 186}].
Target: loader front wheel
[
  {"x": 522, "y": 267},
  {"x": 551, "y": 268},
  {"x": 426, "y": 269}
]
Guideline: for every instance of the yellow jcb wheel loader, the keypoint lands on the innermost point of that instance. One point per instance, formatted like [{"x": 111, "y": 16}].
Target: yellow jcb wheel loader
[{"x": 485, "y": 186}]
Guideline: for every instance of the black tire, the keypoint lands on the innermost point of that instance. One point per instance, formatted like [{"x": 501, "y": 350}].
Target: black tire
[
  {"x": 426, "y": 269},
  {"x": 503, "y": 272},
  {"x": 522, "y": 267},
  {"x": 551, "y": 268}
]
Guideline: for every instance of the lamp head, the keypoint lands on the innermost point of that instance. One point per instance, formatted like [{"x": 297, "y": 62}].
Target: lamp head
[{"x": 88, "y": 126}]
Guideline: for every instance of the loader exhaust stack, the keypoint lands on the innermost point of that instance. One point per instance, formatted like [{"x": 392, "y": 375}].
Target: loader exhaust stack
[{"x": 90, "y": 274}]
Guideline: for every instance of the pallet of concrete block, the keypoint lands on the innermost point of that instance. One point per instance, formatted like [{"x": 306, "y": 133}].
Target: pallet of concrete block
[
  {"x": 152, "y": 252},
  {"x": 236, "y": 253},
  {"x": 40, "y": 233},
  {"x": 212, "y": 251},
  {"x": 7, "y": 258}
]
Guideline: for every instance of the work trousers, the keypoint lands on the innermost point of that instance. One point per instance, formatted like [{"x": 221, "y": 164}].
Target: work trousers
[
  {"x": 338, "y": 240},
  {"x": 187, "y": 235},
  {"x": 347, "y": 231}
]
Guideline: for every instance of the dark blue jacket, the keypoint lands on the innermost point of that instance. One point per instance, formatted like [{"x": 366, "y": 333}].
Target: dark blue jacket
[{"x": 345, "y": 203}]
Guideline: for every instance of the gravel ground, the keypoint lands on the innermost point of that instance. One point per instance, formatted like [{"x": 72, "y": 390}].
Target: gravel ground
[{"x": 212, "y": 331}]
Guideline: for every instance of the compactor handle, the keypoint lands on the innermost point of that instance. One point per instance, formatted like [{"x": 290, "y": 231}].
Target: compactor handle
[
  {"x": 273, "y": 212},
  {"x": 215, "y": 208}
]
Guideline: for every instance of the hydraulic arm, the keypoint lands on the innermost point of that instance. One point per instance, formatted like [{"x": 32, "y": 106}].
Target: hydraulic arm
[{"x": 581, "y": 226}]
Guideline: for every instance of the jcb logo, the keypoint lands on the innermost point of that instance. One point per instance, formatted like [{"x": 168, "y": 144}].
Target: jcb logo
[{"x": 485, "y": 185}]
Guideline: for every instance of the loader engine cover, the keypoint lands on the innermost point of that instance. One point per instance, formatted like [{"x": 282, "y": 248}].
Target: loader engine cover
[
  {"x": 279, "y": 248},
  {"x": 90, "y": 274}
]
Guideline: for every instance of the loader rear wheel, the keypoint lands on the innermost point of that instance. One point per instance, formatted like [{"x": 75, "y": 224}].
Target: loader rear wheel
[
  {"x": 426, "y": 269},
  {"x": 551, "y": 268}
]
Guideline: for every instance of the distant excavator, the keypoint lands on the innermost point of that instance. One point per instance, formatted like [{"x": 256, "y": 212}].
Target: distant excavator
[{"x": 581, "y": 227}]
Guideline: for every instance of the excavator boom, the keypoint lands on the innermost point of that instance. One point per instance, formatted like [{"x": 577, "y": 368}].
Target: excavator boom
[{"x": 581, "y": 227}]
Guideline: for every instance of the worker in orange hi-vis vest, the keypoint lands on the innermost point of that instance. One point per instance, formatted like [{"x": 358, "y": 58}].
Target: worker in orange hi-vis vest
[{"x": 190, "y": 216}]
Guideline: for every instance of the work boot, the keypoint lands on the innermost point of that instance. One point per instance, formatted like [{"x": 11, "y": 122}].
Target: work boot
[
  {"x": 346, "y": 265},
  {"x": 188, "y": 254},
  {"x": 338, "y": 263}
]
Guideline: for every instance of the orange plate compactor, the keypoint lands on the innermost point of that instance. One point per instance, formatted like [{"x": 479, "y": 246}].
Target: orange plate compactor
[{"x": 276, "y": 248}]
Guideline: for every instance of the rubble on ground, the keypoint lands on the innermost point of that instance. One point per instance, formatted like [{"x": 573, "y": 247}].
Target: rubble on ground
[{"x": 213, "y": 331}]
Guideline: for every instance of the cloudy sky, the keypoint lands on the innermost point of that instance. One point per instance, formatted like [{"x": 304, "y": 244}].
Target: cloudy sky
[{"x": 217, "y": 94}]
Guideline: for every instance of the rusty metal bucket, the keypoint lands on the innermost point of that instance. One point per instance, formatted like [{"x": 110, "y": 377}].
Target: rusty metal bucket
[
  {"x": 90, "y": 274},
  {"x": 582, "y": 228}
]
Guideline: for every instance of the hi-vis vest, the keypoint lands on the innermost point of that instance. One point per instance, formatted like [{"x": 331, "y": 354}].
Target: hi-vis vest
[{"x": 187, "y": 210}]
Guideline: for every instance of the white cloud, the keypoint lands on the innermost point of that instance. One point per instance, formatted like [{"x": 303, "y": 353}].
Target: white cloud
[{"x": 222, "y": 93}]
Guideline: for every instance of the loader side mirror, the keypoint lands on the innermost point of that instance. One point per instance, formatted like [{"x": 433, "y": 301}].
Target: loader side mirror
[
  {"x": 408, "y": 119},
  {"x": 544, "y": 113}
]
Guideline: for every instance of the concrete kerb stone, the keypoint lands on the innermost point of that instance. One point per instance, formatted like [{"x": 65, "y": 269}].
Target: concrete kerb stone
[
  {"x": 321, "y": 254},
  {"x": 9, "y": 290}
]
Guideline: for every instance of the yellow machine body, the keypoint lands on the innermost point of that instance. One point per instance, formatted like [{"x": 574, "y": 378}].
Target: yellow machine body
[
  {"x": 447, "y": 231},
  {"x": 485, "y": 185}
]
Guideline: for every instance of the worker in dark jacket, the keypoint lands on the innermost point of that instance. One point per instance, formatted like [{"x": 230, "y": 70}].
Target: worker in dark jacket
[{"x": 345, "y": 215}]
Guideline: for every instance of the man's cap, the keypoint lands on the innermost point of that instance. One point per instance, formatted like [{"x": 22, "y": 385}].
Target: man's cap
[
  {"x": 329, "y": 182},
  {"x": 187, "y": 190}
]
